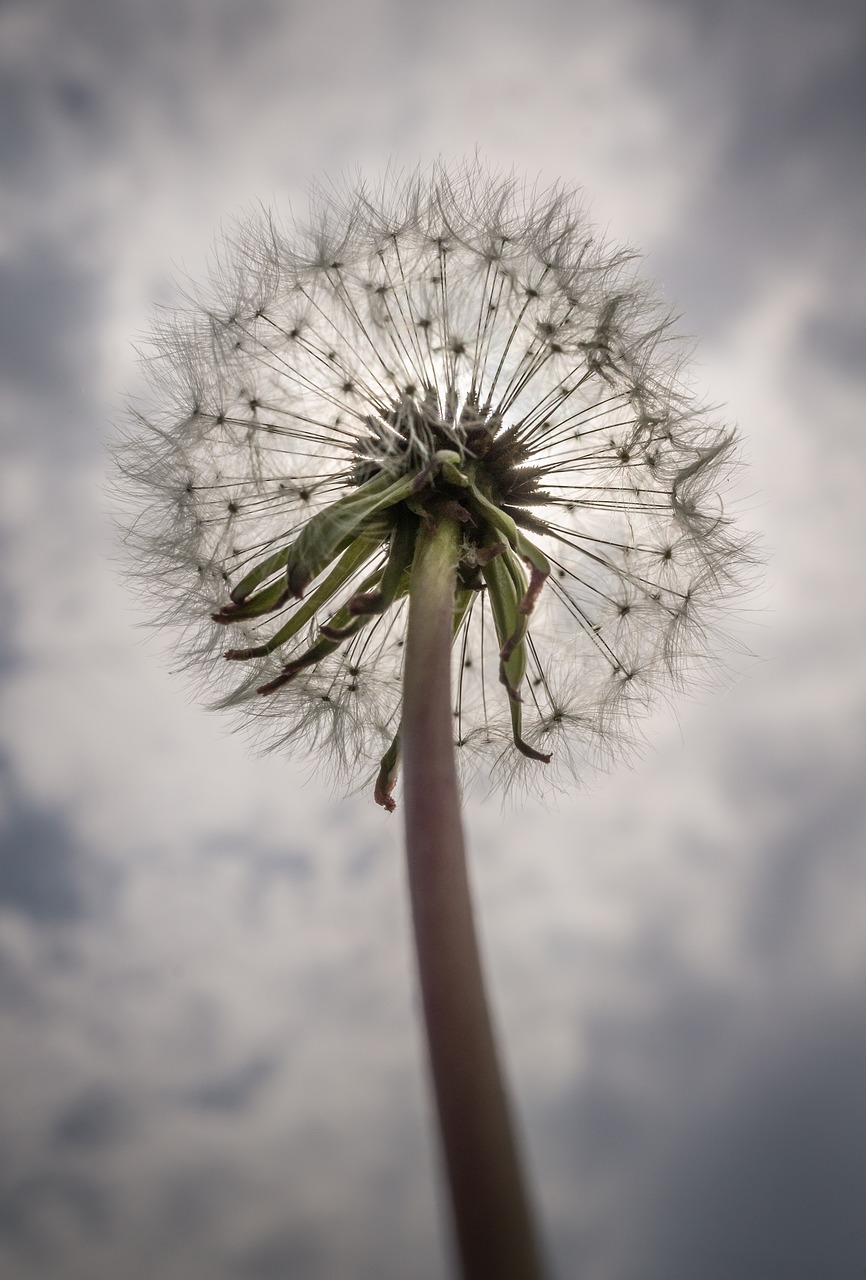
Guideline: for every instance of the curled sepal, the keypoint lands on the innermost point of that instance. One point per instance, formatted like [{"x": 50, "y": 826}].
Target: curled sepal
[
  {"x": 340, "y": 627},
  {"x": 274, "y": 595},
  {"x": 386, "y": 779},
  {"x": 260, "y": 573},
  {"x": 505, "y": 582},
  {"x": 323, "y": 646},
  {"x": 352, "y": 558},
  {"x": 267, "y": 600},
  {"x": 331, "y": 635},
  {"x": 400, "y": 555},
  {"x": 323, "y": 535},
  {"x": 527, "y": 594},
  {"x": 530, "y": 554}
]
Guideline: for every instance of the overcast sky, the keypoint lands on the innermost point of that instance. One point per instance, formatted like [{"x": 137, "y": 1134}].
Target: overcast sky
[{"x": 210, "y": 1064}]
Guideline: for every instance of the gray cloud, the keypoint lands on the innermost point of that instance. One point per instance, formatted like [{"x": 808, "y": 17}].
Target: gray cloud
[
  {"x": 835, "y": 333},
  {"x": 42, "y": 873},
  {"x": 235, "y": 1090},
  {"x": 87, "y": 85},
  {"x": 817, "y": 845},
  {"x": 771, "y": 1182},
  {"x": 780, "y": 86},
  {"x": 8, "y": 653},
  {"x": 29, "y": 1204},
  {"x": 96, "y": 1119},
  {"x": 722, "y": 1139},
  {"x": 47, "y": 312},
  {"x": 297, "y": 1252}
]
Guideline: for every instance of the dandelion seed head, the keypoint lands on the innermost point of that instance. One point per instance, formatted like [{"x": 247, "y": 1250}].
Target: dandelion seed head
[{"x": 450, "y": 343}]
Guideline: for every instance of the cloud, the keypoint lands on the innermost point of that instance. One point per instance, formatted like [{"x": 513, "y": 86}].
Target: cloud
[
  {"x": 42, "y": 867},
  {"x": 298, "y": 1252},
  {"x": 235, "y": 1090},
  {"x": 97, "y": 1118},
  {"x": 775, "y": 90},
  {"x": 772, "y": 1179},
  {"x": 210, "y": 1044},
  {"x": 47, "y": 317},
  {"x": 54, "y": 1200},
  {"x": 721, "y": 1143}
]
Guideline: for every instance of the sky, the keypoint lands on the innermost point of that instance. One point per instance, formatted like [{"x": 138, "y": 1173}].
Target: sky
[{"x": 210, "y": 1058}]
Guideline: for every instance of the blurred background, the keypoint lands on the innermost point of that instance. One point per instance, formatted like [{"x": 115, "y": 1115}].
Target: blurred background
[{"x": 210, "y": 1063}]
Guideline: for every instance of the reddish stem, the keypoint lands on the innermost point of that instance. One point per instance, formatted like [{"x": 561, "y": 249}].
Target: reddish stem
[{"x": 493, "y": 1225}]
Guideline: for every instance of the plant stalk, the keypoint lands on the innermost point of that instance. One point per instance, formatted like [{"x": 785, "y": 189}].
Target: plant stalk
[{"x": 493, "y": 1224}]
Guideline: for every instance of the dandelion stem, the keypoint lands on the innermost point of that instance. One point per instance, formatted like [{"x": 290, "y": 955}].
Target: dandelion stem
[{"x": 493, "y": 1224}]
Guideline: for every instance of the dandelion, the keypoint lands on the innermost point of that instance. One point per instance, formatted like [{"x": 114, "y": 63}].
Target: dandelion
[{"x": 425, "y": 478}]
